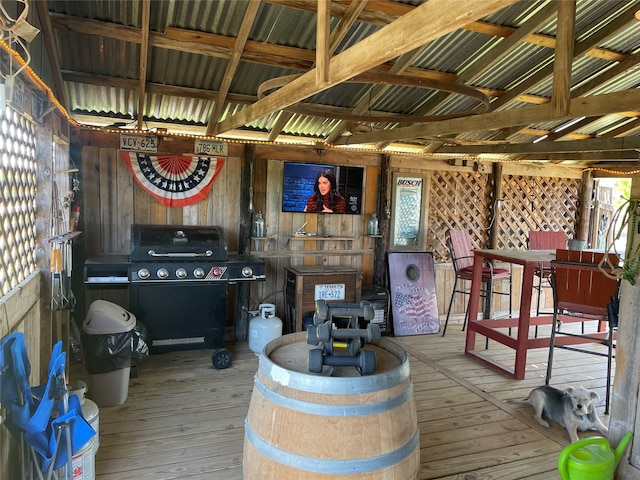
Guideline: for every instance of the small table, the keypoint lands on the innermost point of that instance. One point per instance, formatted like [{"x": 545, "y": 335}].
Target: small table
[{"x": 529, "y": 259}]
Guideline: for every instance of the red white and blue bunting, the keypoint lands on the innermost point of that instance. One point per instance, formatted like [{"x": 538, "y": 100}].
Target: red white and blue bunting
[{"x": 176, "y": 180}]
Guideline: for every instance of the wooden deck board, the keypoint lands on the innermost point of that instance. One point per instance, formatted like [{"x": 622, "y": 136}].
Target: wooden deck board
[{"x": 183, "y": 419}]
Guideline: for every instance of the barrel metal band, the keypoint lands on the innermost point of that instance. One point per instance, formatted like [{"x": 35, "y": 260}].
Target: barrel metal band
[
  {"x": 332, "y": 410},
  {"x": 336, "y": 467},
  {"x": 339, "y": 385}
]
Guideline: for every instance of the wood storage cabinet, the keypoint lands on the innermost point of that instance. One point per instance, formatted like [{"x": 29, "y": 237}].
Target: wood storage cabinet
[{"x": 301, "y": 293}]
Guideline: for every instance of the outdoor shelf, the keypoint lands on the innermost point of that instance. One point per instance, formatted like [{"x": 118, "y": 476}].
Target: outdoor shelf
[{"x": 63, "y": 238}]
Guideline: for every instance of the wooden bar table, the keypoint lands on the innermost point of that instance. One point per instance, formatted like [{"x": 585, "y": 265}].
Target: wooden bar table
[{"x": 529, "y": 259}]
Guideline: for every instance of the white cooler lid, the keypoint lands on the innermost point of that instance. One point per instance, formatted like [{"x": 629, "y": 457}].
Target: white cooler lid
[{"x": 106, "y": 317}]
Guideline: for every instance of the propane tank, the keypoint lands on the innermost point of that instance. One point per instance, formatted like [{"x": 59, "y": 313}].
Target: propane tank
[
  {"x": 264, "y": 327},
  {"x": 82, "y": 464},
  {"x": 90, "y": 411}
]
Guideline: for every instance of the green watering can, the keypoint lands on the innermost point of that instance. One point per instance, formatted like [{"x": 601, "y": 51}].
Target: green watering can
[{"x": 591, "y": 459}]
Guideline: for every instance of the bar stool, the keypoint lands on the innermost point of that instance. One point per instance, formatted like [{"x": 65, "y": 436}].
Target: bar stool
[
  {"x": 460, "y": 248},
  {"x": 545, "y": 240}
]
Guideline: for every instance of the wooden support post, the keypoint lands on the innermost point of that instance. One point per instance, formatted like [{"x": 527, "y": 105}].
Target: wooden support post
[
  {"x": 243, "y": 292},
  {"x": 382, "y": 244},
  {"x": 495, "y": 209},
  {"x": 625, "y": 401},
  {"x": 248, "y": 166},
  {"x": 323, "y": 38},
  {"x": 584, "y": 214},
  {"x": 561, "y": 95}
]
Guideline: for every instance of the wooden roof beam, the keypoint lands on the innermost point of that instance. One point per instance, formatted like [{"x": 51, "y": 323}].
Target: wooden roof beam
[
  {"x": 611, "y": 155},
  {"x": 52, "y": 52},
  {"x": 403, "y": 62},
  {"x": 591, "y": 145},
  {"x": 144, "y": 56},
  {"x": 561, "y": 93},
  {"x": 428, "y": 21},
  {"x": 323, "y": 30},
  {"x": 585, "y": 106},
  {"x": 338, "y": 34},
  {"x": 243, "y": 33},
  {"x": 387, "y": 11},
  {"x": 485, "y": 61},
  {"x": 579, "y": 49}
]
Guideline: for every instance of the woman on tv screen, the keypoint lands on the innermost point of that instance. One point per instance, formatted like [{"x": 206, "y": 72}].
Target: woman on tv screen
[{"x": 325, "y": 197}]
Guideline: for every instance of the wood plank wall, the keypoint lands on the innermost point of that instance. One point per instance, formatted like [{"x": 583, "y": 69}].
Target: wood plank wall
[{"x": 113, "y": 201}]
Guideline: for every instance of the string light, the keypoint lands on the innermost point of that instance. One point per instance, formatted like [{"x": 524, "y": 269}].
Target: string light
[
  {"x": 38, "y": 81},
  {"x": 45, "y": 88}
]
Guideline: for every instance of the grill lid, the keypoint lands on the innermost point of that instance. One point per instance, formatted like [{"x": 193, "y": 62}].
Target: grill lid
[{"x": 179, "y": 242}]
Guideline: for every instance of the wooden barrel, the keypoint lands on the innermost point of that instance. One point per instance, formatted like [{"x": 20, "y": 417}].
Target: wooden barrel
[{"x": 319, "y": 426}]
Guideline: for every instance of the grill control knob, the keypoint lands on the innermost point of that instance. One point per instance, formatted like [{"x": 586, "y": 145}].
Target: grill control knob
[
  {"x": 247, "y": 272},
  {"x": 163, "y": 273},
  {"x": 198, "y": 272},
  {"x": 143, "y": 274},
  {"x": 181, "y": 273}
]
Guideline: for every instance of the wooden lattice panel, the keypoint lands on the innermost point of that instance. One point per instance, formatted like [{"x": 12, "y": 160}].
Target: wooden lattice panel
[
  {"x": 537, "y": 203},
  {"x": 463, "y": 200},
  {"x": 458, "y": 200},
  {"x": 17, "y": 199}
]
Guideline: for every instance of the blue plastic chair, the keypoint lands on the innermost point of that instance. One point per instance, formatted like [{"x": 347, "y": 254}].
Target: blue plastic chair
[{"x": 47, "y": 437}]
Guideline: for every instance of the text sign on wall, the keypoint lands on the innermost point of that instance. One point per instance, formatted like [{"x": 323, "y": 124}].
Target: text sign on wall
[
  {"x": 138, "y": 143},
  {"x": 210, "y": 147}
]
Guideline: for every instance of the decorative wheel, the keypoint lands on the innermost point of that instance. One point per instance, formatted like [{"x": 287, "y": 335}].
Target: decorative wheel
[{"x": 221, "y": 358}]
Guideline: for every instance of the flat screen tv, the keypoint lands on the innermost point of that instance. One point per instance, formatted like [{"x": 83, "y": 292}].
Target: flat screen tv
[{"x": 305, "y": 188}]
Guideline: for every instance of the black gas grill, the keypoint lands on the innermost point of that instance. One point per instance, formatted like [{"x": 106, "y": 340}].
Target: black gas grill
[{"x": 178, "y": 277}]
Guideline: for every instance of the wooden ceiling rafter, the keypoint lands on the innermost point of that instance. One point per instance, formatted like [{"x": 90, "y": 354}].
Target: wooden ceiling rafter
[
  {"x": 364, "y": 104},
  {"x": 581, "y": 48},
  {"x": 338, "y": 34},
  {"x": 144, "y": 57},
  {"x": 382, "y": 16},
  {"x": 49, "y": 43},
  {"x": 489, "y": 58},
  {"x": 622, "y": 157},
  {"x": 625, "y": 129},
  {"x": 558, "y": 108},
  {"x": 606, "y": 104},
  {"x": 590, "y": 145},
  {"x": 403, "y": 35},
  {"x": 255, "y": 52},
  {"x": 221, "y": 46},
  {"x": 323, "y": 37},
  {"x": 232, "y": 64},
  {"x": 563, "y": 59}
]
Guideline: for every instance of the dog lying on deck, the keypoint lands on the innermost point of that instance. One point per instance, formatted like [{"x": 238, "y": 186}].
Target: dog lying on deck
[{"x": 573, "y": 408}]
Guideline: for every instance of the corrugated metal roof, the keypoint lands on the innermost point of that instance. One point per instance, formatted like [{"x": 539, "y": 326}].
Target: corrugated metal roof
[{"x": 97, "y": 54}]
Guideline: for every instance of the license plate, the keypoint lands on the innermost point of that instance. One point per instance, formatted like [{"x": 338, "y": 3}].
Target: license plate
[
  {"x": 138, "y": 143},
  {"x": 209, "y": 147},
  {"x": 331, "y": 291}
]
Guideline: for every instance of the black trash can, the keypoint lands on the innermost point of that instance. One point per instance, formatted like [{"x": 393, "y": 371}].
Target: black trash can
[{"x": 113, "y": 342}]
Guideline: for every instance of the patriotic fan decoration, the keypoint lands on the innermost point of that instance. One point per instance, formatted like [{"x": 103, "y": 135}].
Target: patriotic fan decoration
[{"x": 176, "y": 180}]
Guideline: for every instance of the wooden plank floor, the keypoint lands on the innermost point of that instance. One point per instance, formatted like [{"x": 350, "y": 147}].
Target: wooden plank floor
[{"x": 183, "y": 419}]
